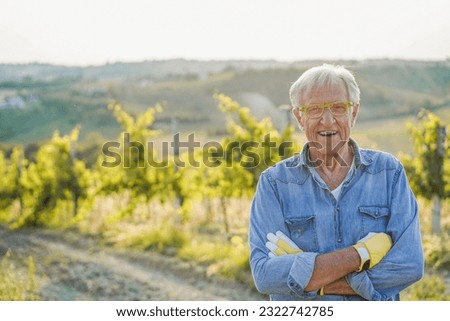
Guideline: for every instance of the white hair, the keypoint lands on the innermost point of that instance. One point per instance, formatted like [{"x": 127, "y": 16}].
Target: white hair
[{"x": 323, "y": 76}]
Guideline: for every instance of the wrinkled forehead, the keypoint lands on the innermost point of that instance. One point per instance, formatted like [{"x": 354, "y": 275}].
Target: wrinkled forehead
[{"x": 326, "y": 92}]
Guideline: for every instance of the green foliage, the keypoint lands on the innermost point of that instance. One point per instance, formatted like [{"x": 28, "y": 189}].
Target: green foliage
[
  {"x": 230, "y": 169},
  {"x": 15, "y": 286},
  {"x": 10, "y": 171},
  {"x": 447, "y": 169},
  {"x": 437, "y": 251},
  {"x": 259, "y": 144},
  {"x": 55, "y": 176},
  {"x": 428, "y": 169},
  {"x": 225, "y": 182},
  {"x": 181, "y": 185},
  {"x": 430, "y": 288},
  {"x": 133, "y": 171}
]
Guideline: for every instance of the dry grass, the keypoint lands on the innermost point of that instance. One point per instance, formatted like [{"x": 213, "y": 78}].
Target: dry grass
[
  {"x": 203, "y": 238},
  {"x": 17, "y": 285}
]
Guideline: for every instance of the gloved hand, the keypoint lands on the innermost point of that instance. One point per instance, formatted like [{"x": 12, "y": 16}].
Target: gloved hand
[
  {"x": 279, "y": 244},
  {"x": 372, "y": 248}
]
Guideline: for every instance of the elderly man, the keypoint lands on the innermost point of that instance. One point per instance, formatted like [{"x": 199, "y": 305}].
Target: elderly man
[{"x": 336, "y": 222}]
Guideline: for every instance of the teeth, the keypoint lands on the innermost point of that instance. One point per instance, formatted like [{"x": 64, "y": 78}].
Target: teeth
[{"x": 327, "y": 133}]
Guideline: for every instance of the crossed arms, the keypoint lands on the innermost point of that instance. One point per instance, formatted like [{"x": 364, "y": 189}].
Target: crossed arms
[
  {"x": 302, "y": 275},
  {"x": 330, "y": 268}
]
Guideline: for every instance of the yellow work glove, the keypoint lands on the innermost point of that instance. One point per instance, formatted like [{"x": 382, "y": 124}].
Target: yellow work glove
[
  {"x": 279, "y": 244},
  {"x": 372, "y": 248}
]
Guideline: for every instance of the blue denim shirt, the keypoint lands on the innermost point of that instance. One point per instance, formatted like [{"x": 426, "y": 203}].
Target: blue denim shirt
[{"x": 375, "y": 197}]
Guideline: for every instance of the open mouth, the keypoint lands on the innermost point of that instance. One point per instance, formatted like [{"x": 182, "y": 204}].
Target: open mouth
[{"x": 328, "y": 133}]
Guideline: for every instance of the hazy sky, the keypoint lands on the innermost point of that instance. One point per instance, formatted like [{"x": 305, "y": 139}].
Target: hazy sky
[{"x": 81, "y": 32}]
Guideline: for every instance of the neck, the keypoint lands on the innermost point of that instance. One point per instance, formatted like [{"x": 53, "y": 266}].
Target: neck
[
  {"x": 331, "y": 161},
  {"x": 333, "y": 167}
]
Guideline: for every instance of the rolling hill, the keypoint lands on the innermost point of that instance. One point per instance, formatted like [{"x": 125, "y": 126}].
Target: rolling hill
[{"x": 66, "y": 96}]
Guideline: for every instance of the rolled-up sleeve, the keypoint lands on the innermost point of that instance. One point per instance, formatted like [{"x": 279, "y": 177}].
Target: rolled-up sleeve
[
  {"x": 288, "y": 274},
  {"x": 300, "y": 275},
  {"x": 404, "y": 263}
]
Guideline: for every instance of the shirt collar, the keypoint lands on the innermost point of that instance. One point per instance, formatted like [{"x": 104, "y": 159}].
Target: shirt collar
[{"x": 360, "y": 158}]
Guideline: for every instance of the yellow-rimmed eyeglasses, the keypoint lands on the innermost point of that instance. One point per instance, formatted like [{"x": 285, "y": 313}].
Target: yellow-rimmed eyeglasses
[{"x": 337, "y": 108}]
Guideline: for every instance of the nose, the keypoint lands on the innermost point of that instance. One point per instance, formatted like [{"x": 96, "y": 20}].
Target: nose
[{"x": 327, "y": 117}]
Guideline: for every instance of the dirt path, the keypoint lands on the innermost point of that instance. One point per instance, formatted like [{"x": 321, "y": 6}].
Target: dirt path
[{"x": 73, "y": 267}]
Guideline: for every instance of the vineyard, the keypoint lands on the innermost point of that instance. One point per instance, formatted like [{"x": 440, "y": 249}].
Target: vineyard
[
  {"x": 186, "y": 207},
  {"x": 190, "y": 200}
]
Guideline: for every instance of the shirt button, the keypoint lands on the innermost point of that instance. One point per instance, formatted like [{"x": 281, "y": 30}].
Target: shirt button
[{"x": 339, "y": 240}]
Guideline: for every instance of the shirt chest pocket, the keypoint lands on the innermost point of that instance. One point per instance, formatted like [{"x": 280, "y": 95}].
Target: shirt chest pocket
[
  {"x": 303, "y": 232},
  {"x": 373, "y": 219}
]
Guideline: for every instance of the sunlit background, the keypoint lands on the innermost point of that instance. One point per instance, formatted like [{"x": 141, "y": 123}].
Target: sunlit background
[
  {"x": 84, "y": 32},
  {"x": 76, "y": 75}
]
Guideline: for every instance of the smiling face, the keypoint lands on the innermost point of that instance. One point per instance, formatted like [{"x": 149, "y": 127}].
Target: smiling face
[{"x": 328, "y": 133}]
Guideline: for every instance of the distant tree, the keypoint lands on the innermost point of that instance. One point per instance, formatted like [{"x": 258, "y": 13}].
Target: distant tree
[
  {"x": 55, "y": 177},
  {"x": 428, "y": 168}
]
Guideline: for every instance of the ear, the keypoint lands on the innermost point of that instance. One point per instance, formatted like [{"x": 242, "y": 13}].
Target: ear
[
  {"x": 298, "y": 116},
  {"x": 354, "y": 114}
]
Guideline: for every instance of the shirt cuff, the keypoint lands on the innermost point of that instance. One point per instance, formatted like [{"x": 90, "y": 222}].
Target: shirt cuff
[
  {"x": 361, "y": 284},
  {"x": 300, "y": 274}
]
